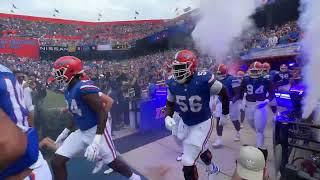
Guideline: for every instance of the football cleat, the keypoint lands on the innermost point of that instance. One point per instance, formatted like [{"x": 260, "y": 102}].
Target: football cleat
[
  {"x": 237, "y": 137},
  {"x": 179, "y": 158},
  {"x": 218, "y": 142}
]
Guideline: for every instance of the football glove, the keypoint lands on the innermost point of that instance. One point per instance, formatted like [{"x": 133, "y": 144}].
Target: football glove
[
  {"x": 92, "y": 150},
  {"x": 170, "y": 123},
  {"x": 64, "y": 134}
]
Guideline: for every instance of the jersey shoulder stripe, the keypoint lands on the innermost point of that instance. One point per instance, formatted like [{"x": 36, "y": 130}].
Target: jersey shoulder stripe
[
  {"x": 88, "y": 87},
  {"x": 4, "y": 69}
]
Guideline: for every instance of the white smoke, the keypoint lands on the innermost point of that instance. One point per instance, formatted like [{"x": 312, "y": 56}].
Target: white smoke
[
  {"x": 221, "y": 22},
  {"x": 309, "y": 22}
]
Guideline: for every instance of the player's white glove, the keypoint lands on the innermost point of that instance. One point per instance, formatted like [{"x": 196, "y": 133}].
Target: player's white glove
[
  {"x": 64, "y": 134},
  {"x": 224, "y": 119},
  {"x": 92, "y": 150},
  {"x": 263, "y": 104},
  {"x": 170, "y": 123}
]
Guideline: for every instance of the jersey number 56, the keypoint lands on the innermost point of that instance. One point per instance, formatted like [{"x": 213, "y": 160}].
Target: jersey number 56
[{"x": 193, "y": 101}]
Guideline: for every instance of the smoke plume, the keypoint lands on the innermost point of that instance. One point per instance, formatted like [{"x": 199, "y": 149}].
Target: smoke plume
[
  {"x": 309, "y": 22},
  {"x": 221, "y": 22}
]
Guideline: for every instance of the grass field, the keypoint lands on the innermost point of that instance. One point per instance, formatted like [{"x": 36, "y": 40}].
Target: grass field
[{"x": 54, "y": 100}]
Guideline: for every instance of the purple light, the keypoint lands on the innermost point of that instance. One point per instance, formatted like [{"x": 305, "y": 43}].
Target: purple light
[{"x": 291, "y": 64}]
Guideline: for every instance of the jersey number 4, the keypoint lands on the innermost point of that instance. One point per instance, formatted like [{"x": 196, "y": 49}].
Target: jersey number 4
[
  {"x": 74, "y": 108},
  {"x": 193, "y": 101},
  {"x": 250, "y": 89}
]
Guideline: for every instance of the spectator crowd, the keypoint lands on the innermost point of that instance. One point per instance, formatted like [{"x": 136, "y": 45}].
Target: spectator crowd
[
  {"x": 271, "y": 36},
  {"x": 74, "y": 33},
  {"x": 78, "y": 33}
]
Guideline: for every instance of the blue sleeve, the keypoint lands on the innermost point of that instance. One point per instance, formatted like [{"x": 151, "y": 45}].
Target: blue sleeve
[
  {"x": 88, "y": 87},
  {"x": 167, "y": 82},
  {"x": 3, "y": 94},
  {"x": 2, "y": 86},
  {"x": 207, "y": 76}
]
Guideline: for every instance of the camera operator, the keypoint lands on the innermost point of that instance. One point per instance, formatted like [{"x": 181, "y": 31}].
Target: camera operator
[
  {"x": 134, "y": 96},
  {"x": 39, "y": 92},
  {"x": 115, "y": 95},
  {"x": 124, "y": 99}
]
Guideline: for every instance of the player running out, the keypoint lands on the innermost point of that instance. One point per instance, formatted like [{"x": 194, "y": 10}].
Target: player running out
[
  {"x": 191, "y": 91},
  {"x": 266, "y": 67},
  {"x": 282, "y": 79},
  {"x": 24, "y": 161},
  {"x": 266, "y": 70},
  {"x": 239, "y": 78},
  {"x": 231, "y": 83},
  {"x": 259, "y": 92},
  {"x": 85, "y": 104}
]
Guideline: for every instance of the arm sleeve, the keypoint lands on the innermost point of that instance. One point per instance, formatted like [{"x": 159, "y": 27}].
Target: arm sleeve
[
  {"x": 270, "y": 91},
  {"x": 217, "y": 88},
  {"x": 171, "y": 97},
  {"x": 242, "y": 90}
]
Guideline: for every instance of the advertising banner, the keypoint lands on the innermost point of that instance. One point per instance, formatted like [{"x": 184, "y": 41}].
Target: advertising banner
[{"x": 21, "y": 47}]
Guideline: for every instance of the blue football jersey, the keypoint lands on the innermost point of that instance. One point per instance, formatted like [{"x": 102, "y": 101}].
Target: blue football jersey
[
  {"x": 232, "y": 85},
  {"x": 257, "y": 89},
  {"x": 192, "y": 98},
  {"x": 282, "y": 78},
  {"x": 227, "y": 82},
  {"x": 11, "y": 98},
  {"x": 84, "y": 117}
]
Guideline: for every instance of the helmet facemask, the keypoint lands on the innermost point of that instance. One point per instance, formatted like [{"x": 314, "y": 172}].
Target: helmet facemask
[
  {"x": 181, "y": 71},
  {"x": 254, "y": 73},
  {"x": 284, "y": 69},
  {"x": 220, "y": 76},
  {"x": 59, "y": 75}
]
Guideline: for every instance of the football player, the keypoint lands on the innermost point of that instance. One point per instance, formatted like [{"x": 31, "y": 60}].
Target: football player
[
  {"x": 49, "y": 144},
  {"x": 93, "y": 135},
  {"x": 259, "y": 92},
  {"x": 231, "y": 84},
  {"x": 266, "y": 74},
  {"x": 14, "y": 165},
  {"x": 266, "y": 70},
  {"x": 239, "y": 78},
  {"x": 191, "y": 91},
  {"x": 282, "y": 78}
]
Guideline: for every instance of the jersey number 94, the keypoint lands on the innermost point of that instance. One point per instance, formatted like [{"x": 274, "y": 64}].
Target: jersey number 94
[{"x": 251, "y": 90}]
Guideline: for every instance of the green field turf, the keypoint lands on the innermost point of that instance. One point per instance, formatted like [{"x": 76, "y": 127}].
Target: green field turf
[{"x": 54, "y": 100}]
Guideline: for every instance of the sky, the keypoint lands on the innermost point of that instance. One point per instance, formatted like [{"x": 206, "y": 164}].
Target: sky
[{"x": 88, "y": 10}]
